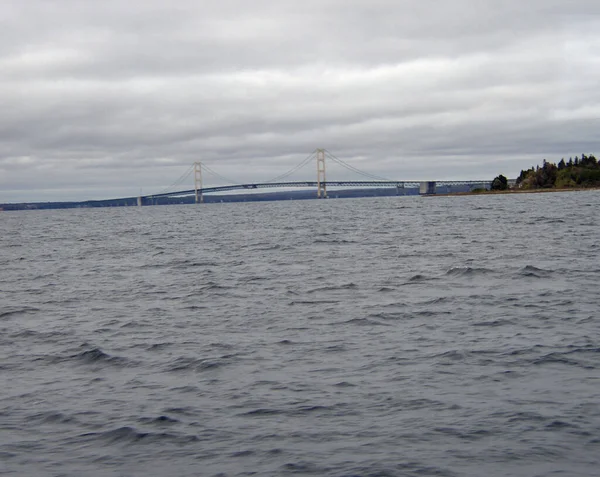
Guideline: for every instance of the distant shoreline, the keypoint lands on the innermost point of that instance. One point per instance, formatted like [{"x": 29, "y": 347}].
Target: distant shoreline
[{"x": 513, "y": 191}]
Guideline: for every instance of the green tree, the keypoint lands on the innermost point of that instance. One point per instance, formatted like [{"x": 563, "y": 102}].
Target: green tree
[
  {"x": 546, "y": 176},
  {"x": 500, "y": 183},
  {"x": 526, "y": 179},
  {"x": 588, "y": 161}
]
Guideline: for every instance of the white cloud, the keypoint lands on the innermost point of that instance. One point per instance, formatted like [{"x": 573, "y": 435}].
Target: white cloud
[{"x": 104, "y": 98}]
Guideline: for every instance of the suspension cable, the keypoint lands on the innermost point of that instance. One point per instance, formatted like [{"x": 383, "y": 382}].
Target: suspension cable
[
  {"x": 299, "y": 166},
  {"x": 219, "y": 176},
  {"x": 354, "y": 169},
  {"x": 179, "y": 181}
]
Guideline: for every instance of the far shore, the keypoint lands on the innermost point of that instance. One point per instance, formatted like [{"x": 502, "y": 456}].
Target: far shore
[{"x": 513, "y": 191}]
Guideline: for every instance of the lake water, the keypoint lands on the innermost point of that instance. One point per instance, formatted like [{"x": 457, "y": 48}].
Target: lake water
[{"x": 403, "y": 336}]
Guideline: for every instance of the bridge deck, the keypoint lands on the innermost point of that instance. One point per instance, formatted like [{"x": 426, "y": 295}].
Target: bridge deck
[{"x": 272, "y": 185}]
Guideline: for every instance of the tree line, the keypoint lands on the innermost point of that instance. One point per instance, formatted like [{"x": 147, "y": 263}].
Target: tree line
[{"x": 581, "y": 171}]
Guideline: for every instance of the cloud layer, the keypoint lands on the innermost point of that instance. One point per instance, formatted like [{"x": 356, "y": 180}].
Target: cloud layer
[{"x": 102, "y": 99}]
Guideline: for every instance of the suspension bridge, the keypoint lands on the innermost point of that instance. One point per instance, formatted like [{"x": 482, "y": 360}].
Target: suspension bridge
[{"x": 199, "y": 171}]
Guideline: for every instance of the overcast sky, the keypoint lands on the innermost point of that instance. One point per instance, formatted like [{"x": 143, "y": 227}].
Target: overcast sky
[{"x": 102, "y": 99}]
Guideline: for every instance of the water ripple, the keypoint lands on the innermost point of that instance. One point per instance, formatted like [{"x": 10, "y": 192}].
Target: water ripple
[{"x": 452, "y": 336}]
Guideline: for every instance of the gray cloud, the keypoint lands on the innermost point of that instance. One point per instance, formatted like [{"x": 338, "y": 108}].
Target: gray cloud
[{"x": 100, "y": 99}]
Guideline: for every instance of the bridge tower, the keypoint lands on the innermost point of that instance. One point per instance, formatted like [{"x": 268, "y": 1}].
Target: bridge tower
[
  {"x": 321, "y": 178},
  {"x": 198, "y": 182}
]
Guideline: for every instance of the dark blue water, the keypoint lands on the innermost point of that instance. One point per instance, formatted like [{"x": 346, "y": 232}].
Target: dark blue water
[{"x": 376, "y": 337}]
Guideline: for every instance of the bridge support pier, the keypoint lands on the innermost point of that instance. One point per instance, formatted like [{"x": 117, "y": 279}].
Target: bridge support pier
[
  {"x": 400, "y": 188},
  {"x": 198, "y": 182},
  {"x": 321, "y": 178},
  {"x": 139, "y": 201},
  {"x": 427, "y": 188}
]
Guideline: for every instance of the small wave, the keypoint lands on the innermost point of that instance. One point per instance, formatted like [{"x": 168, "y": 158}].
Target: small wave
[
  {"x": 577, "y": 349},
  {"x": 158, "y": 420},
  {"x": 52, "y": 418},
  {"x": 222, "y": 346},
  {"x": 96, "y": 355},
  {"x": 244, "y": 453},
  {"x": 386, "y": 290},
  {"x": 130, "y": 435},
  {"x": 556, "y": 358},
  {"x": 335, "y": 348},
  {"x": 468, "y": 272},
  {"x": 194, "y": 307},
  {"x": 186, "y": 263},
  {"x": 251, "y": 279},
  {"x": 304, "y": 468},
  {"x": 589, "y": 319},
  {"x": 466, "y": 435},
  {"x": 41, "y": 335},
  {"x": 11, "y": 313},
  {"x": 524, "y": 351},
  {"x": 298, "y": 411},
  {"x": 574, "y": 357},
  {"x": 214, "y": 286},
  {"x": 262, "y": 412},
  {"x": 184, "y": 411},
  {"x": 523, "y": 416},
  {"x": 345, "y": 286},
  {"x": 135, "y": 324},
  {"x": 344, "y": 384},
  {"x": 42, "y": 276},
  {"x": 482, "y": 357},
  {"x": 313, "y": 302},
  {"x": 389, "y": 316},
  {"x": 557, "y": 425},
  {"x": 158, "y": 346},
  {"x": 152, "y": 266},
  {"x": 429, "y": 313},
  {"x": 453, "y": 355},
  {"x": 303, "y": 410},
  {"x": 531, "y": 271},
  {"x": 185, "y": 389},
  {"x": 265, "y": 247},
  {"x": 439, "y": 300},
  {"x": 333, "y": 241},
  {"x": 363, "y": 322},
  {"x": 494, "y": 323},
  {"x": 92, "y": 355},
  {"x": 423, "y": 403},
  {"x": 194, "y": 364}
]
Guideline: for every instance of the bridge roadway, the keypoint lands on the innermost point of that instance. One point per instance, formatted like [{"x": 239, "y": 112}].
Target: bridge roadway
[{"x": 271, "y": 185}]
